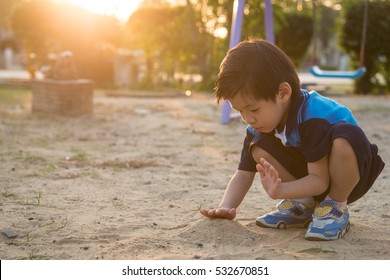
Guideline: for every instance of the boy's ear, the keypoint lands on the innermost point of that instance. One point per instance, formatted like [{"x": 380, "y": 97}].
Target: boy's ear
[{"x": 285, "y": 91}]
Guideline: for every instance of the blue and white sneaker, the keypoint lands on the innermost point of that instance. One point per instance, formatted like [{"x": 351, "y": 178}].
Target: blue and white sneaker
[
  {"x": 329, "y": 222},
  {"x": 288, "y": 213}
]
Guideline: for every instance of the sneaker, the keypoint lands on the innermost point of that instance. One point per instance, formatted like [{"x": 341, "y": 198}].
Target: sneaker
[
  {"x": 329, "y": 222},
  {"x": 288, "y": 213}
]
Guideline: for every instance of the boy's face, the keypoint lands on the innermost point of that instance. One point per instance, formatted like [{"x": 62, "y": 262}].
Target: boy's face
[{"x": 262, "y": 115}]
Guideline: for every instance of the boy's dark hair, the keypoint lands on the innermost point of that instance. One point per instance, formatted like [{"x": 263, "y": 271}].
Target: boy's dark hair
[{"x": 255, "y": 68}]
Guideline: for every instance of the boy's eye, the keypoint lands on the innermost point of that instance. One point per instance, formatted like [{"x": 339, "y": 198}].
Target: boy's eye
[{"x": 254, "y": 110}]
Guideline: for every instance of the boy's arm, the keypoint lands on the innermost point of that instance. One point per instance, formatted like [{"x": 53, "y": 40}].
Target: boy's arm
[{"x": 235, "y": 192}]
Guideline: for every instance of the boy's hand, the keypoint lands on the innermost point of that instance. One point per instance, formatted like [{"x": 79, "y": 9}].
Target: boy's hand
[
  {"x": 269, "y": 178},
  {"x": 219, "y": 213}
]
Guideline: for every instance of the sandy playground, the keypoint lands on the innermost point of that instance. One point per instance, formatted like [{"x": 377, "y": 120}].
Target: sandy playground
[{"x": 127, "y": 183}]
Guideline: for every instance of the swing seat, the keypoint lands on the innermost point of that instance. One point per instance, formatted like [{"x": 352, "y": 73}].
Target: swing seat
[{"x": 316, "y": 71}]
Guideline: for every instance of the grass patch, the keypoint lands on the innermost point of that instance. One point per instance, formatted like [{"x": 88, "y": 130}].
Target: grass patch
[
  {"x": 35, "y": 201},
  {"x": 34, "y": 255},
  {"x": 28, "y": 237},
  {"x": 30, "y": 158},
  {"x": 79, "y": 155},
  {"x": 198, "y": 207},
  {"x": 14, "y": 95},
  {"x": 6, "y": 194},
  {"x": 55, "y": 225}
]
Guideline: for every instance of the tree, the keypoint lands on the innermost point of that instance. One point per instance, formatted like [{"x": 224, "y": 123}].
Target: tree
[
  {"x": 173, "y": 39},
  {"x": 293, "y": 29},
  {"x": 377, "y": 45},
  {"x": 294, "y": 35},
  {"x": 207, "y": 17},
  {"x": 146, "y": 28}
]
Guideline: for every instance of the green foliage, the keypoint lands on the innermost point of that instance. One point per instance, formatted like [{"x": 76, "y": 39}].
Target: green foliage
[
  {"x": 377, "y": 48},
  {"x": 293, "y": 30},
  {"x": 326, "y": 25},
  {"x": 160, "y": 33},
  {"x": 173, "y": 40},
  {"x": 14, "y": 95},
  {"x": 294, "y": 35}
]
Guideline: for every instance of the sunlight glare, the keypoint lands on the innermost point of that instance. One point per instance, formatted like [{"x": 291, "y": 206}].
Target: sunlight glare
[
  {"x": 121, "y": 9},
  {"x": 221, "y": 32}
]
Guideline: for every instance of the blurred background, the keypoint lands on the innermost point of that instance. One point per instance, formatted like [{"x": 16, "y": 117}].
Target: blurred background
[{"x": 179, "y": 44}]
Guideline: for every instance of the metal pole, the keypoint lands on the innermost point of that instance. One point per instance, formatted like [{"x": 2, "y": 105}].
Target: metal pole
[
  {"x": 235, "y": 38},
  {"x": 314, "y": 54},
  {"x": 364, "y": 34},
  {"x": 238, "y": 15},
  {"x": 269, "y": 22}
]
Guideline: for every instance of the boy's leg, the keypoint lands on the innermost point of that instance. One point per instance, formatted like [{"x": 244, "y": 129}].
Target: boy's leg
[
  {"x": 354, "y": 165},
  {"x": 343, "y": 170},
  {"x": 331, "y": 217},
  {"x": 284, "y": 174}
]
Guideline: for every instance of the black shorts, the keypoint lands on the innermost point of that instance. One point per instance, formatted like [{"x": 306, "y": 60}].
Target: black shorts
[{"x": 370, "y": 163}]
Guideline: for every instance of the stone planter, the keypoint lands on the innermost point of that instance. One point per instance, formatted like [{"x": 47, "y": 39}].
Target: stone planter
[{"x": 62, "y": 97}]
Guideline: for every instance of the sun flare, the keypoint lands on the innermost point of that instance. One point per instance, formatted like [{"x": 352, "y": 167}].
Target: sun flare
[{"x": 121, "y": 9}]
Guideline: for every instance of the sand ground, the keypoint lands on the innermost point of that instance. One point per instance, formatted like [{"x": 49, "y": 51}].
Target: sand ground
[{"x": 127, "y": 183}]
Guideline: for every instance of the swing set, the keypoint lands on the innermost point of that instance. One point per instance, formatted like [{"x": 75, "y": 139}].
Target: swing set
[{"x": 316, "y": 71}]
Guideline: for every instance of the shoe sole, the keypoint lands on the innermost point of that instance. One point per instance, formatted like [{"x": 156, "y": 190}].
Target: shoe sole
[
  {"x": 320, "y": 237},
  {"x": 281, "y": 225}
]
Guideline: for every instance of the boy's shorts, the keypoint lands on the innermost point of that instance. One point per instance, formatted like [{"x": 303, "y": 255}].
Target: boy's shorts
[{"x": 370, "y": 163}]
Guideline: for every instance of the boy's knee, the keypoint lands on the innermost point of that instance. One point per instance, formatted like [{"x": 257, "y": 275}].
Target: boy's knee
[
  {"x": 342, "y": 148},
  {"x": 258, "y": 153}
]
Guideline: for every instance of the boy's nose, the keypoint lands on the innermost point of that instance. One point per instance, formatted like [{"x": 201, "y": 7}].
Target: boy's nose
[{"x": 249, "y": 119}]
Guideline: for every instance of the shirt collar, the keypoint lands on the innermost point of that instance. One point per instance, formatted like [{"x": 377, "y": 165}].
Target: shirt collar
[{"x": 296, "y": 102}]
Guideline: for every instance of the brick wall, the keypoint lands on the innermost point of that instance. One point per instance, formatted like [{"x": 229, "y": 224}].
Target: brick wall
[{"x": 63, "y": 97}]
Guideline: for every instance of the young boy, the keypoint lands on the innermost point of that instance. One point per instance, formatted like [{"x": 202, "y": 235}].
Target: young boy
[{"x": 308, "y": 149}]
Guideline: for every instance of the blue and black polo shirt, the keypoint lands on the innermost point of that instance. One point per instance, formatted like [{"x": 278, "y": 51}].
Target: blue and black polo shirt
[{"x": 313, "y": 122}]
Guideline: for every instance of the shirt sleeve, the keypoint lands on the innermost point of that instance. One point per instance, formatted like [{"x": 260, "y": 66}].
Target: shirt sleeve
[{"x": 247, "y": 163}]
